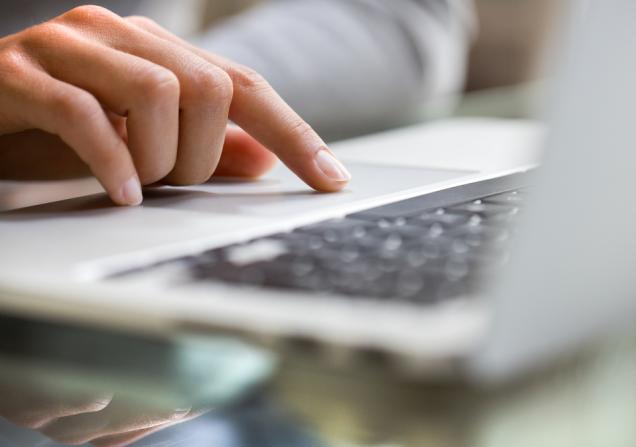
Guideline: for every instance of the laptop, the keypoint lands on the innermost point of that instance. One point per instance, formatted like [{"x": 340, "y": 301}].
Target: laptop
[{"x": 441, "y": 271}]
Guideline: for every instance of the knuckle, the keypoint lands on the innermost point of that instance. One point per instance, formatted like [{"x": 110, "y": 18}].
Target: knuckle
[
  {"x": 45, "y": 35},
  {"x": 142, "y": 22},
  {"x": 13, "y": 62},
  {"x": 210, "y": 84},
  {"x": 299, "y": 128},
  {"x": 248, "y": 78},
  {"x": 88, "y": 14},
  {"x": 158, "y": 85},
  {"x": 76, "y": 107}
]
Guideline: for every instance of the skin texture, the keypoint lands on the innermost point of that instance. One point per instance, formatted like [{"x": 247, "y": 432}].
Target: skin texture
[{"x": 132, "y": 104}]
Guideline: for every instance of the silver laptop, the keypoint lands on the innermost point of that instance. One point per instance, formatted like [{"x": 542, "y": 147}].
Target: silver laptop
[{"x": 444, "y": 271}]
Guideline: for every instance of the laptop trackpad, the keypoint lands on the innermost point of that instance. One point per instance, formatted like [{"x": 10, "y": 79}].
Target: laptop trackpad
[
  {"x": 64, "y": 234},
  {"x": 282, "y": 193}
]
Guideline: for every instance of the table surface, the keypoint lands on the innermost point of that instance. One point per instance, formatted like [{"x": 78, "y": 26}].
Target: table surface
[
  {"x": 228, "y": 394},
  {"x": 588, "y": 400}
]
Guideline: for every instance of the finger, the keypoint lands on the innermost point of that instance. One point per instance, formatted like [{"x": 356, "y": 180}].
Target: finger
[
  {"x": 205, "y": 91},
  {"x": 116, "y": 419},
  {"x": 76, "y": 116},
  {"x": 31, "y": 410},
  {"x": 258, "y": 109},
  {"x": 261, "y": 112},
  {"x": 129, "y": 438},
  {"x": 143, "y": 92},
  {"x": 243, "y": 156}
]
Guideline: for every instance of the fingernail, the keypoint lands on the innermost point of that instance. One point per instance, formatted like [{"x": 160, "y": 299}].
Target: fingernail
[
  {"x": 131, "y": 192},
  {"x": 331, "y": 167}
]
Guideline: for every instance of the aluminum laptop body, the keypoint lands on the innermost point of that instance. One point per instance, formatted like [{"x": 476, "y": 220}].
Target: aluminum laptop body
[{"x": 158, "y": 269}]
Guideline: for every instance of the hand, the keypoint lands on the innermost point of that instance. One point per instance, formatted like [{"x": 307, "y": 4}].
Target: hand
[
  {"x": 137, "y": 105},
  {"x": 102, "y": 420}
]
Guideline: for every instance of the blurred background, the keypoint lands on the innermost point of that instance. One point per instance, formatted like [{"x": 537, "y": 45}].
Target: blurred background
[
  {"x": 506, "y": 51},
  {"x": 506, "y": 58}
]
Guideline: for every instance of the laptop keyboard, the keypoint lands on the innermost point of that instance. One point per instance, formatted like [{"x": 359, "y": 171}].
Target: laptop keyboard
[
  {"x": 424, "y": 250},
  {"x": 420, "y": 256}
]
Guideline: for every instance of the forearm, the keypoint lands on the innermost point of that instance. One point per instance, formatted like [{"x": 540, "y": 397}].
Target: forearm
[{"x": 352, "y": 66}]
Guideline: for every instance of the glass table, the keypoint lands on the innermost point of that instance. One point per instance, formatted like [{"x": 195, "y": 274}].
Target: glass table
[{"x": 67, "y": 385}]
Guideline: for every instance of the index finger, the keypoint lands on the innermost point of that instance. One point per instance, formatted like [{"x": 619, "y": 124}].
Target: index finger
[{"x": 261, "y": 112}]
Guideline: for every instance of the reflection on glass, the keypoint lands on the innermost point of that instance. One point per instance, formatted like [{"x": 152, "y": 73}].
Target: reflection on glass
[{"x": 64, "y": 385}]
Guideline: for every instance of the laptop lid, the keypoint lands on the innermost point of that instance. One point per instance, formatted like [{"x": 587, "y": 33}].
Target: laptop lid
[{"x": 572, "y": 274}]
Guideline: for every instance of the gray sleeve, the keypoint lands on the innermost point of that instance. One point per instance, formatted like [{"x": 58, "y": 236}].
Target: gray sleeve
[{"x": 352, "y": 66}]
